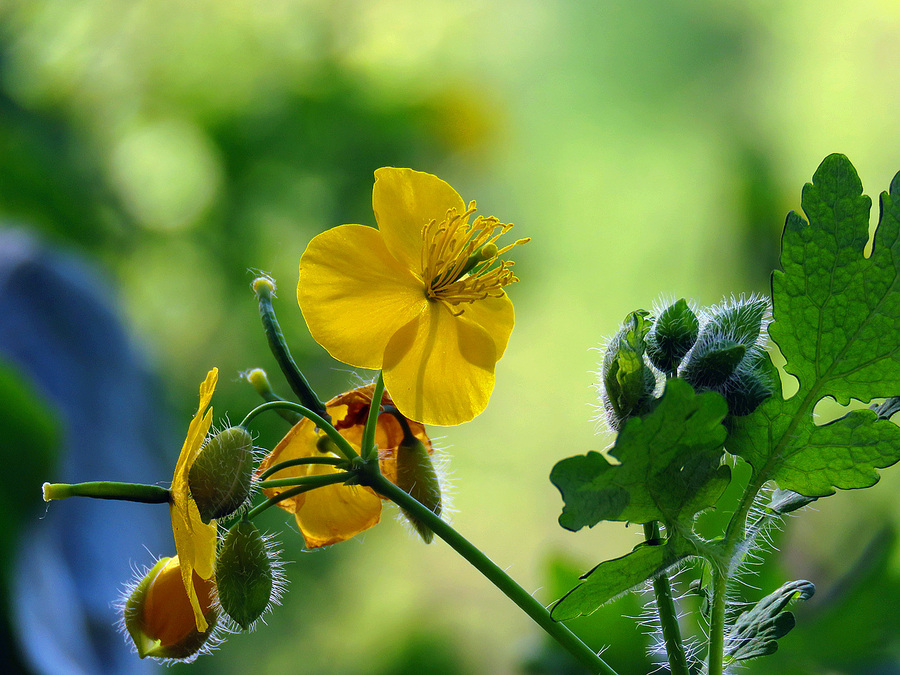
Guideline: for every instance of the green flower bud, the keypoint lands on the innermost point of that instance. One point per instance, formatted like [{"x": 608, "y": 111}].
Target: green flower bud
[
  {"x": 627, "y": 383},
  {"x": 746, "y": 391},
  {"x": 712, "y": 362},
  {"x": 673, "y": 334},
  {"x": 159, "y": 618},
  {"x": 245, "y": 575},
  {"x": 220, "y": 478},
  {"x": 740, "y": 320},
  {"x": 416, "y": 475}
]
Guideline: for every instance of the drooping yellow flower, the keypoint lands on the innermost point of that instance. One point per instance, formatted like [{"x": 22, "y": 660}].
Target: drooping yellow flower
[
  {"x": 335, "y": 513},
  {"x": 195, "y": 541},
  {"x": 159, "y": 617},
  {"x": 421, "y": 297}
]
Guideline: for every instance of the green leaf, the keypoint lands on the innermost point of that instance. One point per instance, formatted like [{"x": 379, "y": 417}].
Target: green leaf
[
  {"x": 837, "y": 321},
  {"x": 757, "y": 631},
  {"x": 614, "y": 577},
  {"x": 669, "y": 465}
]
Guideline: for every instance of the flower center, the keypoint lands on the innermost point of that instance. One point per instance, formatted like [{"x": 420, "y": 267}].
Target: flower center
[{"x": 461, "y": 262}]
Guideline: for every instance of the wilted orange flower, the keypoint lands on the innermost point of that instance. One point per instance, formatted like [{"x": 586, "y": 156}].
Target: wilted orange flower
[{"x": 335, "y": 513}]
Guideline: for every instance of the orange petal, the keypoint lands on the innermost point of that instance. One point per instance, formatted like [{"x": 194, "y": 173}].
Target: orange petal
[
  {"x": 354, "y": 294},
  {"x": 404, "y": 201},
  {"x": 336, "y": 513},
  {"x": 439, "y": 368}
]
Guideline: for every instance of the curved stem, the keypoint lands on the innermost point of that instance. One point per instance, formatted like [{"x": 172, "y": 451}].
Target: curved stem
[
  {"x": 668, "y": 616},
  {"x": 272, "y": 501},
  {"x": 323, "y": 424},
  {"x": 308, "y": 481},
  {"x": 264, "y": 289},
  {"x": 534, "y": 609},
  {"x": 301, "y": 461}
]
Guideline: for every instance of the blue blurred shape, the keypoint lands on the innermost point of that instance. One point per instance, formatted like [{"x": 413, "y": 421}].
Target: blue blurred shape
[{"x": 59, "y": 329}]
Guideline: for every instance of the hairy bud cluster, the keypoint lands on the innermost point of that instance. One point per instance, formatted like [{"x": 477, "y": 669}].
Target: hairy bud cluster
[{"x": 718, "y": 348}]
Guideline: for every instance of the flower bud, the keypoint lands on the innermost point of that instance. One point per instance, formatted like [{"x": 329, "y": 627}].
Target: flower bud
[
  {"x": 747, "y": 389},
  {"x": 712, "y": 362},
  {"x": 740, "y": 320},
  {"x": 627, "y": 383},
  {"x": 673, "y": 334},
  {"x": 417, "y": 477},
  {"x": 219, "y": 479},
  {"x": 244, "y": 574},
  {"x": 159, "y": 617}
]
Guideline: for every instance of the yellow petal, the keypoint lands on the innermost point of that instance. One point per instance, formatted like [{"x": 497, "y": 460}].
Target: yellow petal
[
  {"x": 196, "y": 546},
  {"x": 195, "y": 541},
  {"x": 354, "y": 294},
  {"x": 496, "y": 316},
  {"x": 336, "y": 513},
  {"x": 439, "y": 368},
  {"x": 404, "y": 201}
]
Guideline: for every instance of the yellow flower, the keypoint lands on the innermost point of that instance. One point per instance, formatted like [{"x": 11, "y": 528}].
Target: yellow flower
[
  {"x": 421, "y": 297},
  {"x": 335, "y": 513},
  {"x": 194, "y": 540}
]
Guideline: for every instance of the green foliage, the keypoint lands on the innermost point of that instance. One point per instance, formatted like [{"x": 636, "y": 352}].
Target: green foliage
[
  {"x": 756, "y": 632},
  {"x": 836, "y": 320},
  {"x": 670, "y": 465},
  {"x": 628, "y": 383},
  {"x": 610, "y": 579}
]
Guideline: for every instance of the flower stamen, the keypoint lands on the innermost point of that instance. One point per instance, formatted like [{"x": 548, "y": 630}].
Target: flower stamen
[{"x": 460, "y": 260}]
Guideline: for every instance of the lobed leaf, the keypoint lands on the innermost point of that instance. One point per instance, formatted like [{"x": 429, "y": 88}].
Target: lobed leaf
[
  {"x": 757, "y": 631},
  {"x": 670, "y": 465},
  {"x": 837, "y": 321},
  {"x": 612, "y": 578}
]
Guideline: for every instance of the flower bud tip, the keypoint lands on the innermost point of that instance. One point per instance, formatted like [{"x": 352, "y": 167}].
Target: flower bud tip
[{"x": 263, "y": 284}]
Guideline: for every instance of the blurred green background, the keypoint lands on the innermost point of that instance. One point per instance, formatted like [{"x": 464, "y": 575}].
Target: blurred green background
[{"x": 649, "y": 149}]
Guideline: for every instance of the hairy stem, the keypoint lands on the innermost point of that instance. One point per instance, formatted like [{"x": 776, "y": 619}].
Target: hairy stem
[{"x": 668, "y": 616}]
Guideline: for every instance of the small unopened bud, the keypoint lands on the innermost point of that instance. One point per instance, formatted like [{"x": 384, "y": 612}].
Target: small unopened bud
[
  {"x": 417, "y": 477},
  {"x": 747, "y": 390},
  {"x": 263, "y": 284},
  {"x": 158, "y": 614},
  {"x": 244, "y": 574},
  {"x": 627, "y": 382},
  {"x": 219, "y": 479},
  {"x": 712, "y": 363},
  {"x": 673, "y": 334}
]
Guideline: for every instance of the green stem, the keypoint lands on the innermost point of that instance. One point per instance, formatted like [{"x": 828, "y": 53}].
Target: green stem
[
  {"x": 734, "y": 535},
  {"x": 264, "y": 289},
  {"x": 367, "y": 448},
  {"x": 301, "y": 461},
  {"x": 494, "y": 574},
  {"x": 308, "y": 481},
  {"x": 128, "y": 492},
  {"x": 323, "y": 424},
  {"x": 668, "y": 616},
  {"x": 717, "y": 621},
  {"x": 272, "y": 501}
]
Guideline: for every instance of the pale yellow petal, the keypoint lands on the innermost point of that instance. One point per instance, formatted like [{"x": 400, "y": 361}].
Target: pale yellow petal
[
  {"x": 354, "y": 294},
  {"x": 439, "y": 368},
  {"x": 404, "y": 201},
  {"x": 336, "y": 513}
]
